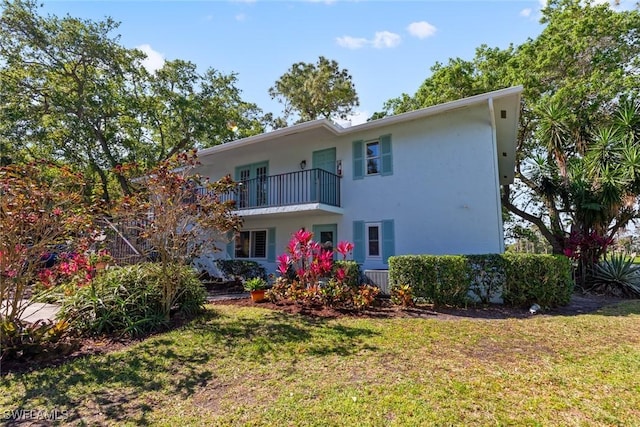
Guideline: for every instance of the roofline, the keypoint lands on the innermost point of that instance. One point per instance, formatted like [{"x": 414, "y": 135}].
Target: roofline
[{"x": 386, "y": 121}]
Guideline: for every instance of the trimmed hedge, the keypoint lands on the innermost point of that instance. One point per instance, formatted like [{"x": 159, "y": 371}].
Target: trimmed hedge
[
  {"x": 441, "y": 280},
  {"x": 536, "y": 278},
  {"x": 519, "y": 279}
]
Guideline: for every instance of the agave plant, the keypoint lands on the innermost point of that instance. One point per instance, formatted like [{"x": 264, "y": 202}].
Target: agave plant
[{"x": 617, "y": 275}]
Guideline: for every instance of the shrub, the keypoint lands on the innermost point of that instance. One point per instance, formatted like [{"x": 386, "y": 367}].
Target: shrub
[
  {"x": 241, "y": 270},
  {"x": 523, "y": 278},
  {"x": 441, "y": 280},
  {"x": 40, "y": 340},
  {"x": 536, "y": 278},
  {"x": 616, "y": 275},
  {"x": 487, "y": 277},
  {"x": 310, "y": 276},
  {"x": 402, "y": 295},
  {"x": 130, "y": 300}
]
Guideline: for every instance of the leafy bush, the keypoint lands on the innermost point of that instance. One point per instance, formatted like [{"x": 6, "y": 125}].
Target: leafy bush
[
  {"x": 310, "y": 276},
  {"x": 616, "y": 275},
  {"x": 535, "y": 278},
  {"x": 241, "y": 270},
  {"x": 487, "y": 277},
  {"x": 522, "y": 279},
  {"x": 21, "y": 340},
  {"x": 352, "y": 273},
  {"x": 402, "y": 295},
  {"x": 441, "y": 280},
  {"x": 130, "y": 300}
]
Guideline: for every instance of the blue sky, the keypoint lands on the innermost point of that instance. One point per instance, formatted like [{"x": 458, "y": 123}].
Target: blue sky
[{"x": 387, "y": 46}]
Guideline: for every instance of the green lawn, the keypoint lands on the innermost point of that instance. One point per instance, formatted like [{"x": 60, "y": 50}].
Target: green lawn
[{"x": 252, "y": 366}]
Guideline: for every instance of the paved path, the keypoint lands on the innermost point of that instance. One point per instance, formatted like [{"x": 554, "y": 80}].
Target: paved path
[{"x": 35, "y": 311}]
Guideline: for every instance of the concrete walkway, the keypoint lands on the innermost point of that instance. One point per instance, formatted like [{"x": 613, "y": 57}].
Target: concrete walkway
[{"x": 35, "y": 311}]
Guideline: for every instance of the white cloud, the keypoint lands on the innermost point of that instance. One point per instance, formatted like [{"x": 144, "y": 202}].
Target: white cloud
[
  {"x": 421, "y": 29},
  {"x": 352, "y": 42},
  {"x": 385, "y": 39},
  {"x": 154, "y": 60},
  {"x": 381, "y": 40},
  {"x": 525, "y": 12},
  {"x": 241, "y": 17}
]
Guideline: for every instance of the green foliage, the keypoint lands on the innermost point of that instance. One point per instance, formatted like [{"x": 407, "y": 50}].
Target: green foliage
[
  {"x": 577, "y": 166},
  {"x": 487, "y": 277},
  {"x": 617, "y": 275},
  {"x": 255, "y": 284},
  {"x": 241, "y": 269},
  {"x": 21, "y": 340},
  {"x": 402, "y": 295},
  {"x": 130, "y": 300},
  {"x": 316, "y": 91},
  {"x": 521, "y": 279},
  {"x": 70, "y": 90},
  {"x": 352, "y": 271},
  {"x": 535, "y": 278},
  {"x": 441, "y": 280},
  {"x": 41, "y": 212}
]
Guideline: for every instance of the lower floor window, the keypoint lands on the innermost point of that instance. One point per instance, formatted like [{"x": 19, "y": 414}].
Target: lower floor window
[
  {"x": 373, "y": 240},
  {"x": 251, "y": 244}
]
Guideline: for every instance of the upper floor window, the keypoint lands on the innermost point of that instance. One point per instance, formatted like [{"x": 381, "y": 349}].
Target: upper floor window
[{"x": 372, "y": 157}]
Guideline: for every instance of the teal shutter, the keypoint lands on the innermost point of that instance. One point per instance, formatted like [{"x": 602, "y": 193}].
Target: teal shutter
[
  {"x": 359, "y": 247},
  {"x": 388, "y": 240},
  {"x": 271, "y": 245},
  {"x": 358, "y": 160},
  {"x": 385, "y": 155}
]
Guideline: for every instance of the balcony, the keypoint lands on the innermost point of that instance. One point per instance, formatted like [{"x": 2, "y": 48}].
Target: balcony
[{"x": 307, "y": 191}]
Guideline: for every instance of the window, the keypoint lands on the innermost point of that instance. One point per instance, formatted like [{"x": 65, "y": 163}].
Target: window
[
  {"x": 373, "y": 240},
  {"x": 251, "y": 244},
  {"x": 373, "y": 157}
]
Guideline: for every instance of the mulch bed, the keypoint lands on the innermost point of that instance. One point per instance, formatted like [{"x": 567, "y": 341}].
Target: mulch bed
[{"x": 580, "y": 304}]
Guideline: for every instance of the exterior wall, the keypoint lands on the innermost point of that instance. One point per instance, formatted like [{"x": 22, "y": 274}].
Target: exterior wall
[{"x": 443, "y": 195}]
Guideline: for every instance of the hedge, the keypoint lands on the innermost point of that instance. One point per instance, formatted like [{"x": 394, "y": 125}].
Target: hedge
[{"x": 515, "y": 279}]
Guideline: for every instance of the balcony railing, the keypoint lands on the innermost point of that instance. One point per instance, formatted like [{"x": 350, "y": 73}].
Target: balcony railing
[{"x": 294, "y": 188}]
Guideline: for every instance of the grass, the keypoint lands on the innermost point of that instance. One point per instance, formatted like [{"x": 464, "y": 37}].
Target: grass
[{"x": 252, "y": 366}]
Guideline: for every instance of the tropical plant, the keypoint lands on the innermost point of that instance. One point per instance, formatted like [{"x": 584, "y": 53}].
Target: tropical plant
[
  {"x": 617, "y": 275},
  {"x": 131, "y": 300},
  {"x": 44, "y": 225},
  {"x": 177, "y": 216},
  {"x": 310, "y": 276},
  {"x": 577, "y": 162},
  {"x": 255, "y": 284}
]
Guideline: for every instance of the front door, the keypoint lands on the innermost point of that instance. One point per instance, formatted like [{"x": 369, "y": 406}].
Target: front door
[
  {"x": 323, "y": 186},
  {"x": 326, "y": 235}
]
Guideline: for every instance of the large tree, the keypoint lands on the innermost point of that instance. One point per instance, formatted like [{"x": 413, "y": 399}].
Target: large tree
[
  {"x": 313, "y": 91},
  {"x": 577, "y": 163},
  {"x": 72, "y": 93}
]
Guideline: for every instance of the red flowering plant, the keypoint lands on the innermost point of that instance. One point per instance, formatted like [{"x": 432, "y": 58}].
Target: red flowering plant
[
  {"x": 309, "y": 275},
  {"x": 42, "y": 211}
]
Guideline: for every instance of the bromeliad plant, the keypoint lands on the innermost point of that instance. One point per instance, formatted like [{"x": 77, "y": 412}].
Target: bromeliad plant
[{"x": 309, "y": 275}]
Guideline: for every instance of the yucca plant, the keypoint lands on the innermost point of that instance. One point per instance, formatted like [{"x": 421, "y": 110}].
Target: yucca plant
[{"x": 617, "y": 275}]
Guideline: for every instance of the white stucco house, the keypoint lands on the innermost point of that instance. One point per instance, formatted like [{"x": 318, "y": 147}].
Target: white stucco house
[{"x": 423, "y": 182}]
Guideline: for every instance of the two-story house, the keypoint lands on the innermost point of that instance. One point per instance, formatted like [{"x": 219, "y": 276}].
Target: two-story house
[{"x": 423, "y": 182}]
